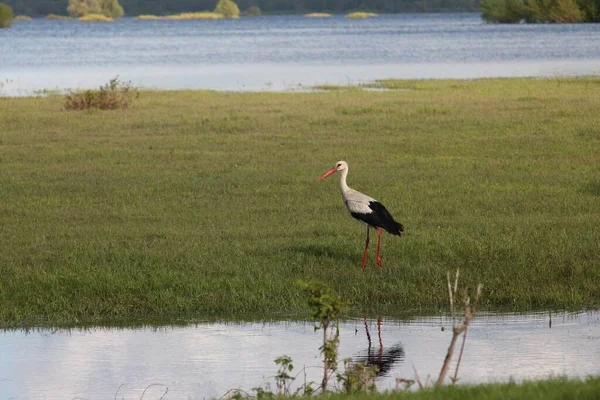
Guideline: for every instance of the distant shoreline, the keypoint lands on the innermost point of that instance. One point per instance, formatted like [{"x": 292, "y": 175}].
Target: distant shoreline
[
  {"x": 260, "y": 78},
  {"x": 334, "y": 14},
  {"x": 374, "y": 85}
]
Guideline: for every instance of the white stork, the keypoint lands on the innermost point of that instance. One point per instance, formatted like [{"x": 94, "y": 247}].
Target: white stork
[{"x": 366, "y": 210}]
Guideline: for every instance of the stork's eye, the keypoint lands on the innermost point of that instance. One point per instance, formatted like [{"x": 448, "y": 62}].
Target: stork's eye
[{"x": 339, "y": 165}]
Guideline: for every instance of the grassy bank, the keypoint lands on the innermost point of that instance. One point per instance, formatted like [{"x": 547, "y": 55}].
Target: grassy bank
[
  {"x": 546, "y": 390},
  {"x": 202, "y": 205}
]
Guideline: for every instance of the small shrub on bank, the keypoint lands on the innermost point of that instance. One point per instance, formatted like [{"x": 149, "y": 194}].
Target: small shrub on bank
[
  {"x": 111, "y": 96},
  {"x": 22, "y": 18},
  {"x": 6, "y": 15}
]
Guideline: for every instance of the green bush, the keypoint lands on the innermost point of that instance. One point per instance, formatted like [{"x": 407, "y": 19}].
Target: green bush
[
  {"x": 560, "y": 11},
  {"x": 228, "y": 9},
  {"x": 253, "y": 11},
  {"x": 6, "y": 15},
  {"x": 590, "y": 10},
  {"x": 537, "y": 11},
  {"x": 108, "y": 8},
  {"x": 503, "y": 11},
  {"x": 79, "y": 8},
  {"x": 566, "y": 11},
  {"x": 112, "y": 9}
]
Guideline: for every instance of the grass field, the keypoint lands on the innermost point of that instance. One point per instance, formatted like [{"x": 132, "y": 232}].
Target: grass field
[{"x": 201, "y": 205}]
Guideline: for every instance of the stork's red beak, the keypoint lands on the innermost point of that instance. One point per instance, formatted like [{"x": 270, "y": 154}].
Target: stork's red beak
[{"x": 326, "y": 174}]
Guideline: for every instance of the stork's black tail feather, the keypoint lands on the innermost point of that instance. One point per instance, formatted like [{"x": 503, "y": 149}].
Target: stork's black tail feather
[
  {"x": 398, "y": 229},
  {"x": 383, "y": 219}
]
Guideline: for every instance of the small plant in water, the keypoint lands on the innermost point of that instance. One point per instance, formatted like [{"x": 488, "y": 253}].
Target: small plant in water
[
  {"x": 325, "y": 307},
  {"x": 358, "y": 378},
  {"x": 111, "y": 96},
  {"x": 283, "y": 380}
]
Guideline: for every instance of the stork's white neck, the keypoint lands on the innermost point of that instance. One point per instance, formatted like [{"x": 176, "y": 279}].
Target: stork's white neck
[{"x": 343, "y": 184}]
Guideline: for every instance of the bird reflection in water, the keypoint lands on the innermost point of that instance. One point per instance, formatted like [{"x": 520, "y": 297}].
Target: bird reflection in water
[{"x": 382, "y": 358}]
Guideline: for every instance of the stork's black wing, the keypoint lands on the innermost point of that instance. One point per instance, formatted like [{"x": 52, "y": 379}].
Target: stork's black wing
[{"x": 380, "y": 217}]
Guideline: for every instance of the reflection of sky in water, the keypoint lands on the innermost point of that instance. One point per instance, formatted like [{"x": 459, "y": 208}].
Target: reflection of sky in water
[
  {"x": 207, "y": 360},
  {"x": 281, "y": 52}
]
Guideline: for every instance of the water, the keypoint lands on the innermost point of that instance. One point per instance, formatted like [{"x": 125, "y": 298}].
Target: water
[
  {"x": 287, "y": 52},
  {"x": 206, "y": 360}
]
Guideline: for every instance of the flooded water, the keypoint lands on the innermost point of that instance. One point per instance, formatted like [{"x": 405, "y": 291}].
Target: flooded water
[
  {"x": 204, "y": 361},
  {"x": 287, "y": 52}
]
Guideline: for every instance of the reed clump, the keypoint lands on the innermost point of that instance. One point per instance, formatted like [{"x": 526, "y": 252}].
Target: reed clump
[
  {"x": 318, "y": 15},
  {"x": 112, "y": 96},
  {"x": 95, "y": 18},
  {"x": 360, "y": 15},
  {"x": 22, "y": 18},
  {"x": 147, "y": 17},
  {"x": 194, "y": 15},
  {"x": 57, "y": 17},
  {"x": 204, "y": 15}
]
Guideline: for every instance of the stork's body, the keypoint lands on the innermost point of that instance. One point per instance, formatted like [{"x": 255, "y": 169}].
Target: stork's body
[{"x": 366, "y": 210}]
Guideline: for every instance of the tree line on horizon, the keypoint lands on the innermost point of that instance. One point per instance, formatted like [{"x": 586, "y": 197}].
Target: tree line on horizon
[
  {"x": 495, "y": 11},
  {"x": 38, "y": 8}
]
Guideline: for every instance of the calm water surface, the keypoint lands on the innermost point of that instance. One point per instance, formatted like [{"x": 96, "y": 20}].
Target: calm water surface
[
  {"x": 287, "y": 52},
  {"x": 206, "y": 360}
]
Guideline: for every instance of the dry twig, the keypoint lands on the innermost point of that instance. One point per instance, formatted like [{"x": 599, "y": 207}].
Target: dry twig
[
  {"x": 118, "y": 390},
  {"x": 149, "y": 386},
  {"x": 458, "y": 329}
]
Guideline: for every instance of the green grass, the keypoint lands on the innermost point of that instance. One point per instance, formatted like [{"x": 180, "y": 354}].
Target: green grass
[
  {"x": 201, "y": 205},
  {"x": 543, "y": 390}
]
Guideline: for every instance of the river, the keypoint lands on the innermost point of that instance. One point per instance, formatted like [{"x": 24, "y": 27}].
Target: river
[{"x": 282, "y": 53}]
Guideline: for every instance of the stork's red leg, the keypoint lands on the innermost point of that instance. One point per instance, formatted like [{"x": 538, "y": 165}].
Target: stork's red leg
[
  {"x": 379, "y": 247},
  {"x": 364, "y": 259}
]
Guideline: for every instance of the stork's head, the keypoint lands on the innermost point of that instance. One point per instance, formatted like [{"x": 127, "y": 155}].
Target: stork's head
[{"x": 339, "y": 166}]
